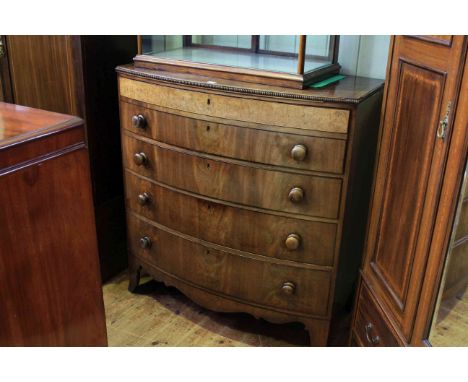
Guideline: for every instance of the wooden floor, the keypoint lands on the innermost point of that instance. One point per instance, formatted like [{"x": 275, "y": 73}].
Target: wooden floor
[
  {"x": 451, "y": 328},
  {"x": 161, "y": 316}
]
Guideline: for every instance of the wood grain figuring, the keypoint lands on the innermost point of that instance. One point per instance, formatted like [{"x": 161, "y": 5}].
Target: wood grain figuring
[
  {"x": 40, "y": 87},
  {"x": 75, "y": 75},
  {"x": 233, "y": 216},
  {"x": 410, "y": 156},
  {"x": 225, "y": 225},
  {"x": 246, "y": 279},
  {"x": 232, "y": 141},
  {"x": 48, "y": 236},
  {"x": 436, "y": 39},
  {"x": 408, "y": 220},
  {"x": 242, "y": 184},
  {"x": 19, "y": 120},
  {"x": 234, "y": 108},
  {"x": 448, "y": 205},
  {"x": 346, "y": 92}
]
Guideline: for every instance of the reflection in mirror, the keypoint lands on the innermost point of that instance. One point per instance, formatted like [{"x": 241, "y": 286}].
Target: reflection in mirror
[{"x": 450, "y": 321}]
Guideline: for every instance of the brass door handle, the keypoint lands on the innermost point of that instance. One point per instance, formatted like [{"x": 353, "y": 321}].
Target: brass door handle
[
  {"x": 140, "y": 159},
  {"x": 296, "y": 195},
  {"x": 373, "y": 340},
  {"x": 293, "y": 241},
  {"x": 443, "y": 124},
  {"x": 298, "y": 152},
  {"x": 138, "y": 121},
  {"x": 288, "y": 288}
]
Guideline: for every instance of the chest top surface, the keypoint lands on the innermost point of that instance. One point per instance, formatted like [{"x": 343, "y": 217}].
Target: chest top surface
[
  {"x": 350, "y": 90},
  {"x": 20, "y": 123}
]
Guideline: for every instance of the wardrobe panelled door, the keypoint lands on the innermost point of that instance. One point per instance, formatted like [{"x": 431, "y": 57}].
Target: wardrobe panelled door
[
  {"x": 240, "y": 196},
  {"x": 420, "y": 102}
]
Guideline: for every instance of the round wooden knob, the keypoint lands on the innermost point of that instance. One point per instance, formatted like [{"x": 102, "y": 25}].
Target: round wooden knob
[
  {"x": 140, "y": 159},
  {"x": 298, "y": 152},
  {"x": 138, "y": 121},
  {"x": 143, "y": 199},
  {"x": 293, "y": 241},
  {"x": 145, "y": 242},
  {"x": 288, "y": 287},
  {"x": 296, "y": 194}
]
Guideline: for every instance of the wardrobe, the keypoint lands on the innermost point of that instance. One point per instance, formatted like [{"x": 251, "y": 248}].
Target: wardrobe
[{"x": 415, "y": 257}]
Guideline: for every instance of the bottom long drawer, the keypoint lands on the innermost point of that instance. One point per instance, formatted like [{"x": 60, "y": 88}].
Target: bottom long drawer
[{"x": 266, "y": 283}]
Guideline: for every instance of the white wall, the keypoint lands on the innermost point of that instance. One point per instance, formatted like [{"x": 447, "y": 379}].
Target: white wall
[{"x": 364, "y": 55}]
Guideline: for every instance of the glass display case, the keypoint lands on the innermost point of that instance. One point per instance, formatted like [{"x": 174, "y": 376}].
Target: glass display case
[{"x": 283, "y": 60}]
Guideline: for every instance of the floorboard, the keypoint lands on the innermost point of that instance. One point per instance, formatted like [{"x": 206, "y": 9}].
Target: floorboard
[{"x": 160, "y": 316}]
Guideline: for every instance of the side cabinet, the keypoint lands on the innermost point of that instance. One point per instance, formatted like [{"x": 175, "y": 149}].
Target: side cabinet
[
  {"x": 421, "y": 98},
  {"x": 75, "y": 75}
]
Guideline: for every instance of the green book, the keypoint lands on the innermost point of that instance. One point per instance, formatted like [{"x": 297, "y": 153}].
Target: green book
[{"x": 328, "y": 81}]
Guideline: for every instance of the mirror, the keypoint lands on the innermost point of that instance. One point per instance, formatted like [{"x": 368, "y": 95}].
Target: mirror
[{"x": 450, "y": 320}]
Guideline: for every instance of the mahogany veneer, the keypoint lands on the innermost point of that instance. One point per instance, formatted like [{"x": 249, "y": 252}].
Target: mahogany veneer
[
  {"x": 50, "y": 291},
  {"x": 242, "y": 195},
  {"x": 422, "y": 156}
]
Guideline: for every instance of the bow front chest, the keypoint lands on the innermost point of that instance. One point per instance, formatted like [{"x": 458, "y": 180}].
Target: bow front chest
[{"x": 249, "y": 198}]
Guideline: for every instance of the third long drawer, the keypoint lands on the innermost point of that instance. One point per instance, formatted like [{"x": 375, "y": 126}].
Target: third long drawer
[{"x": 234, "y": 227}]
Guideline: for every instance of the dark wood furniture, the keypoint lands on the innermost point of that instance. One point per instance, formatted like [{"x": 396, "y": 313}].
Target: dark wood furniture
[
  {"x": 248, "y": 198},
  {"x": 50, "y": 291},
  {"x": 422, "y": 154},
  {"x": 76, "y": 75}
]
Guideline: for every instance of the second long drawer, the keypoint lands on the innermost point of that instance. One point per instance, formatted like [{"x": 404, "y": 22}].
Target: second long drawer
[
  {"x": 237, "y": 228},
  {"x": 235, "y": 182}
]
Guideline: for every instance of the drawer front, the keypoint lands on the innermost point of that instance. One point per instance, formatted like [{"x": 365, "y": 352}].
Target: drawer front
[
  {"x": 255, "y": 145},
  {"x": 268, "y": 284},
  {"x": 236, "y": 183},
  {"x": 237, "y": 108},
  {"x": 232, "y": 227},
  {"x": 370, "y": 326}
]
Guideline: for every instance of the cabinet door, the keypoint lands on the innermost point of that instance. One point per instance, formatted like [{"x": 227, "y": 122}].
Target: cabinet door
[
  {"x": 6, "y": 94},
  {"x": 423, "y": 81}
]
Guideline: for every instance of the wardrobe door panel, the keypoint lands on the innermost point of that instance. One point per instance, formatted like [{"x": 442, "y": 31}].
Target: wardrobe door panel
[{"x": 421, "y": 93}]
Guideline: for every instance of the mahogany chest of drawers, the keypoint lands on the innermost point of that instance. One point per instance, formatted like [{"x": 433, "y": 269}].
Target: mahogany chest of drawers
[{"x": 246, "y": 197}]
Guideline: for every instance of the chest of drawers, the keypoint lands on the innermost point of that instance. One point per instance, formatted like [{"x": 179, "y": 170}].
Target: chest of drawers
[{"x": 248, "y": 198}]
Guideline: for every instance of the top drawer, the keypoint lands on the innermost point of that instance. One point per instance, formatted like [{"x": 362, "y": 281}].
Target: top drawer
[
  {"x": 250, "y": 144},
  {"x": 236, "y": 108}
]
